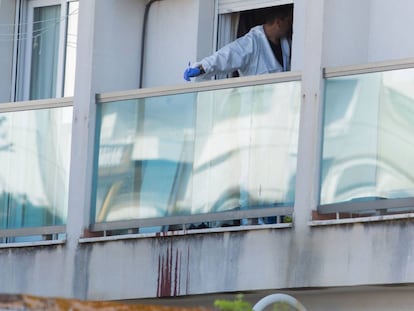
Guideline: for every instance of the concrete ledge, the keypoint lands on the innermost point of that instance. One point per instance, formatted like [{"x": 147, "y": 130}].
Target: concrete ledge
[
  {"x": 31, "y": 244},
  {"x": 331, "y": 222},
  {"x": 184, "y": 232}
]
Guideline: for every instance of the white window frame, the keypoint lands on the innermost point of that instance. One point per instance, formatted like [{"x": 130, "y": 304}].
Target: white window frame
[
  {"x": 23, "y": 49},
  {"x": 231, "y": 6},
  {"x": 228, "y": 20},
  {"x": 228, "y": 16}
]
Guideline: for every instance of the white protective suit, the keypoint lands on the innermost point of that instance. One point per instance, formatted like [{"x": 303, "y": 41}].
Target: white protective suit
[{"x": 250, "y": 55}]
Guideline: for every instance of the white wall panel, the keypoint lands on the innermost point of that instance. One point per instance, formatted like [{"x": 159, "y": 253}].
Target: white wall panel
[
  {"x": 391, "y": 30},
  {"x": 357, "y": 32},
  {"x": 117, "y": 45},
  {"x": 178, "y": 32},
  {"x": 346, "y": 31}
]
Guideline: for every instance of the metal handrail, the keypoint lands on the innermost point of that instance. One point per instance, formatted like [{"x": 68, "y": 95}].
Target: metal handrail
[
  {"x": 199, "y": 86},
  {"x": 36, "y": 104},
  {"x": 331, "y": 72}
]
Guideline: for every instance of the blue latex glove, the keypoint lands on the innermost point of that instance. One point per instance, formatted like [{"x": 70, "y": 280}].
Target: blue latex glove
[{"x": 191, "y": 73}]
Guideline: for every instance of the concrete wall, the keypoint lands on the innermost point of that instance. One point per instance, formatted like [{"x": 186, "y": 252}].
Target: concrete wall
[
  {"x": 172, "y": 33},
  {"x": 278, "y": 259},
  {"x": 117, "y": 44},
  {"x": 178, "y": 32},
  {"x": 358, "y": 299},
  {"x": 367, "y": 31},
  {"x": 390, "y": 29},
  {"x": 356, "y": 32}
]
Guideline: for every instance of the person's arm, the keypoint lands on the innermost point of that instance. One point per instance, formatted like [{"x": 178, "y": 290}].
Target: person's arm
[{"x": 229, "y": 58}]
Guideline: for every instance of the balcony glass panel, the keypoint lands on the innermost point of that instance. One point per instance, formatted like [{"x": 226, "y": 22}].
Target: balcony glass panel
[
  {"x": 34, "y": 168},
  {"x": 196, "y": 153},
  {"x": 368, "y": 145}
]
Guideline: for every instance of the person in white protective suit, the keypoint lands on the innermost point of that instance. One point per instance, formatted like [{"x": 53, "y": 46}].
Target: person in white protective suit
[{"x": 264, "y": 49}]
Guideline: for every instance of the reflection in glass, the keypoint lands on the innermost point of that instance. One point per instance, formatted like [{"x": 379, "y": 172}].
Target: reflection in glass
[
  {"x": 368, "y": 143},
  {"x": 197, "y": 153},
  {"x": 45, "y": 44},
  {"x": 34, "y": 167}
]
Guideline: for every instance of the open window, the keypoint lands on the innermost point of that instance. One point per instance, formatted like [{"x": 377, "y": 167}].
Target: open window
[
  {"x": 45, "y": 49},
  {"x": 236, "y": 18}
]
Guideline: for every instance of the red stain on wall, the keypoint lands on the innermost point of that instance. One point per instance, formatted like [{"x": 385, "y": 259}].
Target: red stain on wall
[{"x": 168, "y": 281}]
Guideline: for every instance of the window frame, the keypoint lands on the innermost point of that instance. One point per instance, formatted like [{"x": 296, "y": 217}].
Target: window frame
[
  {"x": 23, "y": 46},
  {"x": 228, "y": 20},
  {"x": 231, "y": 6}
]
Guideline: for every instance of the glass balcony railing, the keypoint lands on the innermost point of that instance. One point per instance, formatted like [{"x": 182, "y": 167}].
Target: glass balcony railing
[
  {"x": 35, "y": 140},
  {"x": 212, "y": 154},
  {"x": 368, "y": 144}
]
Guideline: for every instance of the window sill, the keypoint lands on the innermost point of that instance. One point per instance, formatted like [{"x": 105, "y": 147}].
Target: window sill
[
  {"x": 31, "y": 244},
  {"x": 184, "y": 232},
  {"x": 381, "y": 218}
]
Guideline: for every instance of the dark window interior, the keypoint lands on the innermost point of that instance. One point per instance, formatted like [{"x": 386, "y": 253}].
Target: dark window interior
[{"x": 249, "y": 19}]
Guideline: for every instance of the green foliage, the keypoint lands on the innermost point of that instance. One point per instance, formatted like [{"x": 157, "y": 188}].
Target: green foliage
[
  {"x": 237, "y": 304},
  {"x": 287, "y": 219}
]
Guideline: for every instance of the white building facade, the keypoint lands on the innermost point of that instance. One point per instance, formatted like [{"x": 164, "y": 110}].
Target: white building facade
[{"x": 121, "y": 181}]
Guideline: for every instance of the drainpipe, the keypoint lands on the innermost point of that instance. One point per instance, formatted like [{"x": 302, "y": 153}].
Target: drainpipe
[
  {"x": 144, "y": 32},
  {"x": 271, "y": 299}
]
